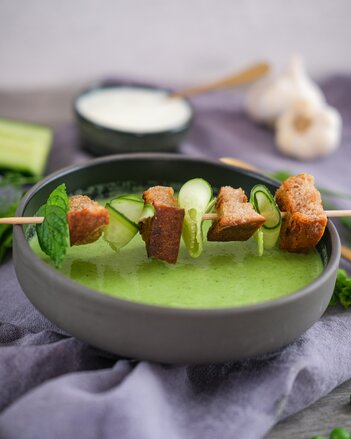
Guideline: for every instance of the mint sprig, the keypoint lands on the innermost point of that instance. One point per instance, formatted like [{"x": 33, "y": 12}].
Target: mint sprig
[{"x": 53, "y": 233}]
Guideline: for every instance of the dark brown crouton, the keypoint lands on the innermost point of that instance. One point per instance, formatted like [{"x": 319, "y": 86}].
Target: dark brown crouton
[
  {"x": 162, "y": 232},
  {"x": 237, "y": 219},
  {"x": 305, "y": 221},
  {"x": 86, "y": 220}
]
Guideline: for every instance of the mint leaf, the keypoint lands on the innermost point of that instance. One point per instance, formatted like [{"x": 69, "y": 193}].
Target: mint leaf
[{"x": 53, "y": 233}]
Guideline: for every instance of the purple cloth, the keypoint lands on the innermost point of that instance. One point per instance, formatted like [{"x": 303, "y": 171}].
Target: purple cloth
[{"x": 54, "y": 386}]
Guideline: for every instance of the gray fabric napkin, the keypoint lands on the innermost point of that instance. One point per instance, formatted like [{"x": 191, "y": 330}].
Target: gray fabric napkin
[{"x": 54, "y": 386}]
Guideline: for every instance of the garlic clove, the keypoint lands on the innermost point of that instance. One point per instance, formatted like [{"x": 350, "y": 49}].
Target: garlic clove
[
  {"x": 307, "y": 131},
  {"x": 269, "y": 98}
]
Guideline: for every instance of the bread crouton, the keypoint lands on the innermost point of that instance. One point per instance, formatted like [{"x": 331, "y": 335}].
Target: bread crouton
[
  {"x": 162, "y": 232},
  {"x": 86, "y": 220},
  {"x": 237, "y": 219},
  {"x": 305, "y": 221}
]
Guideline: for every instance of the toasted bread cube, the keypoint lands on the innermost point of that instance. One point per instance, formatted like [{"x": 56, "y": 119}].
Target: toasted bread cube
[
  {"x": 162, "y": 232},
  {"x": 305, "y": 221},
  {"x": 86, "y": 220},
  {"x": 237, "y": 219}
]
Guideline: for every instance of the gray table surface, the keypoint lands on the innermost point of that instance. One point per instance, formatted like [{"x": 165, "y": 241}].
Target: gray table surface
[{"x": 52, "y": 107}]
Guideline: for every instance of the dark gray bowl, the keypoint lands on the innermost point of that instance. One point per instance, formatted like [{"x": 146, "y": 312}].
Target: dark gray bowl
[
  {"x": 160, "y": 333},
  {"x": 101, "y": 140}
]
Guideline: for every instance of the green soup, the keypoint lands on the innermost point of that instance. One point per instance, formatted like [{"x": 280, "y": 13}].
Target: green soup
[{"x": 226, "y": 274}]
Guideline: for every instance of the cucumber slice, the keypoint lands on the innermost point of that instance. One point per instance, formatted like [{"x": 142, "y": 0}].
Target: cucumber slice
[
  {"x": 129, "y": 207},
  {"x": 264, "y": 203},
  {"x": 194, "y": 197},
  {"x": 24, "y": 147},
  {"x": 120, "y": 229}
]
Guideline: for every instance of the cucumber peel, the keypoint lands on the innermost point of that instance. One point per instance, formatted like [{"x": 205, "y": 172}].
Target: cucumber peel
[
  {"x": 264, "y": 204},
  {"x": 195, "y": 197}
]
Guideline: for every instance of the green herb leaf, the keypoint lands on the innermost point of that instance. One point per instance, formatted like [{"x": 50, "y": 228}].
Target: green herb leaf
[
  {"x": 339, "y": 433},
  {"x": 11, "y": 191},
  {"x": 15, "y": 178},
  {"x": 53, "y": 233},
  {"x": 342, "y": 290}
]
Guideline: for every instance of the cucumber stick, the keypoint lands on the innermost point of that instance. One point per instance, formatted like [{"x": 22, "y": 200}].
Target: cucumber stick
[
  {"x": 120, "y": 229},
  {"x": 24, "y": 147},
  {"x": 195, "y": 197},
  {"x": 264, "y": 203}
]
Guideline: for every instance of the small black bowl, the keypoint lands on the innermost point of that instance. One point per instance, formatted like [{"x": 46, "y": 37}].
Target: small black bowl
[{"x": 101, "y": 140}]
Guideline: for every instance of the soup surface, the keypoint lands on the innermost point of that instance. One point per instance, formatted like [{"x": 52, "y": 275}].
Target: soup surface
[{"x": 226, "y": 274}]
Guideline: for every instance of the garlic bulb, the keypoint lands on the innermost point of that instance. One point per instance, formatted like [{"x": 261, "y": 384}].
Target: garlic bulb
[
  {"x": 269, "y": 98},
  {"x": 306, "y": 131}
]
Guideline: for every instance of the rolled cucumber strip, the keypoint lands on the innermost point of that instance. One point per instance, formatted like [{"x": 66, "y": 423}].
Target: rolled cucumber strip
[
  {"x": 24, "y": 147},
  {"x": 120, "y": 230},
  {"x": 195, "y": 197},
  {"x": 148, "y": 212},
  {"x": 131, "y": 206},
  {"x": 264, "y": 203}
]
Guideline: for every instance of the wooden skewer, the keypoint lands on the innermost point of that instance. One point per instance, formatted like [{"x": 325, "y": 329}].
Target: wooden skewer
[
  {"x": 22, "y": 220},
  {"x": 345, "y": 251},
  {"x": 329, "y": 213},
  {"x": 207, "y": 216}
]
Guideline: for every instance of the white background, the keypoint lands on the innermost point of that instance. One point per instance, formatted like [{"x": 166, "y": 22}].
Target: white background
[{"x": 56, "y": 42}]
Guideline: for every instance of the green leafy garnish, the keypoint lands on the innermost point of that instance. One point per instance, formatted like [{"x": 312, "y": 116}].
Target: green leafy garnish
[
  {"x": 336, "y": 433},
  {"x": 16, "y": 179},
  {"x": 53, "y": 233},
  {"x": 339, "y": 433},
  {"x": 12, "y": 187},
  {"x": 280, "y": 175},
  {"x": 342, "y": 290}
]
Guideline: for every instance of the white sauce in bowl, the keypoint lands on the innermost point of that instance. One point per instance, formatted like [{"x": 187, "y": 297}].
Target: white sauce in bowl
[{"x": 133, "y": 109}]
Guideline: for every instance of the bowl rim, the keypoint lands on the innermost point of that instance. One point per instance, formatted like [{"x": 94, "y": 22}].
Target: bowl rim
[
  {"x": 104, "y": 299},
  {"x": 132, "y": 134}
]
